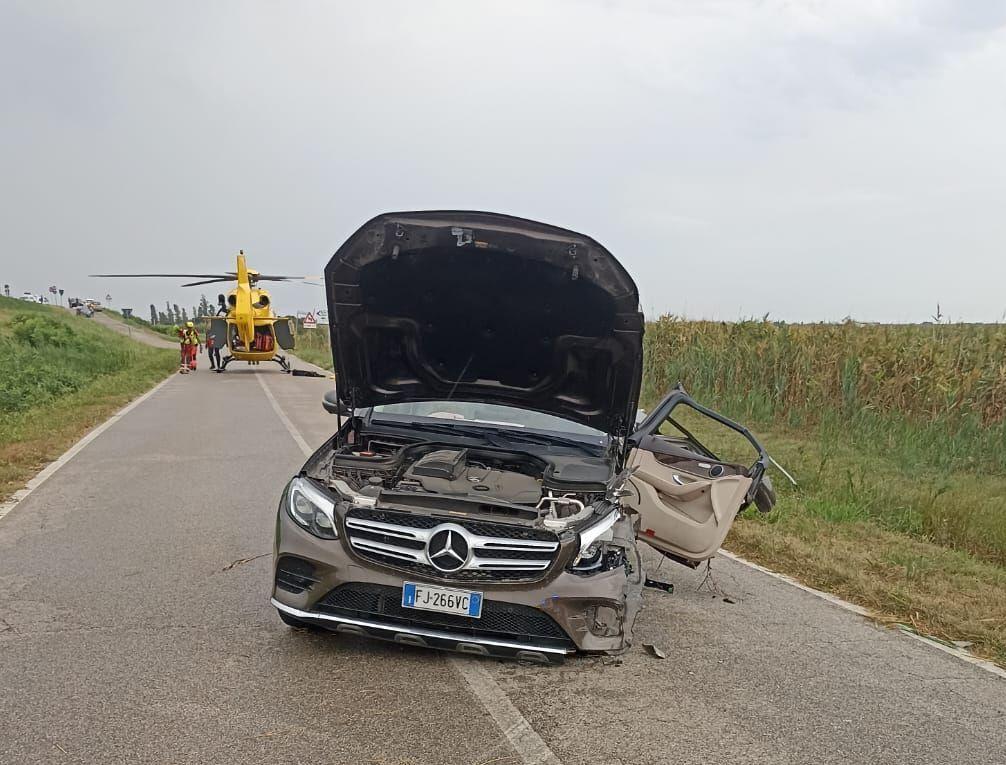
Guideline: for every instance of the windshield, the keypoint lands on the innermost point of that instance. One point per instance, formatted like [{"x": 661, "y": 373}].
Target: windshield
[{"x": 495, "y": 415}]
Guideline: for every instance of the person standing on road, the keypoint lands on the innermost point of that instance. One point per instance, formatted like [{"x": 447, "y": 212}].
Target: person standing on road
[
  {"x": 182, "y": 353},
  {"x": 213, "y": 349},
  {"x": 190, "y": 342}
]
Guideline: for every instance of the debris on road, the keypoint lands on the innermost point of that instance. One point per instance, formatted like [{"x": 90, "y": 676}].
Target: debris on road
[
  {"x": 655, "y": 650},
  {"x": 242, "y": 561},
  {"x": 659, "y": 585}
]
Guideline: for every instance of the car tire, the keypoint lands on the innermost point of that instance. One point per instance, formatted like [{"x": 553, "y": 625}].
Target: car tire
[{"x": 293, "y": 621}]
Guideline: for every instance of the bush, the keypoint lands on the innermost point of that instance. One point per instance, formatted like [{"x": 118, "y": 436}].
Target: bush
[
  {"x": 46, "y": 356},
  {"x": 41, "y": 331}
]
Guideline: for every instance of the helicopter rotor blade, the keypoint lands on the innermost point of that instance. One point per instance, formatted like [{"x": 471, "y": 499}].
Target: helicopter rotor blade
[
  {"x": 279, "y": 278},
  {"x": 210, "y": 281},
  {"x": 161, "y": 276}
]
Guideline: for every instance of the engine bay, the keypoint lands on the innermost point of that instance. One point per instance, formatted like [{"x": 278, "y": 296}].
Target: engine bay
[{"x": 549, "y": 491}]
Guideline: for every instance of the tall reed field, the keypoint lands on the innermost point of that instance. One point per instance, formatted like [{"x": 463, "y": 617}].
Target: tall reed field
[{"x": 933, "y": 394}]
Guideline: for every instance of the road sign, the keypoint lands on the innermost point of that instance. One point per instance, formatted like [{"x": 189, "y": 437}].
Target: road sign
[
  {"x": 309, "y": 322},
  {"x": 321, "y": 315}
]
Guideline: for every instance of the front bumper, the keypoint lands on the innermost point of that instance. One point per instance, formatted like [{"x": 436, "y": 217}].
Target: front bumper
[
  {"x": 428, "y": 638},
  {"x": 542, "y": 621}
]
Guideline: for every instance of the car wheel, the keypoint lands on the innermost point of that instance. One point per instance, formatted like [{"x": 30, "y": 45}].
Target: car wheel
[{"x": 293, "y": 621}]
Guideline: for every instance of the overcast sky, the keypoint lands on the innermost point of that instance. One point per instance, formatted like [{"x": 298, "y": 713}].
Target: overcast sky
[{"x": 810, "y": 160}]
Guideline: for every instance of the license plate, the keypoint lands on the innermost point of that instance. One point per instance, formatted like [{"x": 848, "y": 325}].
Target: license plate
[{"x": 443, "y": 599}]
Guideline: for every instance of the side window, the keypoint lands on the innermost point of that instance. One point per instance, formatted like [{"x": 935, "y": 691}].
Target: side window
[{"x": 703, "y": 434}]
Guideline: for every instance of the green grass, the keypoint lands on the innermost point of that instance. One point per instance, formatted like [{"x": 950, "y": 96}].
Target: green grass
[
  {"x": 61, "y": 375},
  {"x": 313, "y": 347}
]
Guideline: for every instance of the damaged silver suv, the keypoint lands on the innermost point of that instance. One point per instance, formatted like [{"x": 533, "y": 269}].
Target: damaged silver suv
[{"x": 488, "y": 479}]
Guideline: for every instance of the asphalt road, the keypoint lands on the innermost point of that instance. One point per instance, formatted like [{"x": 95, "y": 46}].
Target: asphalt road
[
  {"x": 136, "y": 333},
  {"x": 135, "y": 626}
]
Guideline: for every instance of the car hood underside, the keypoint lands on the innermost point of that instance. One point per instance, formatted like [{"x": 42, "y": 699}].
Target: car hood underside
[{"x": 482, "y": 307}]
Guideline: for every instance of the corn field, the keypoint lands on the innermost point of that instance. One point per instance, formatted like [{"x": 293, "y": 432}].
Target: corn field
[{"x": 940, "y": 389}]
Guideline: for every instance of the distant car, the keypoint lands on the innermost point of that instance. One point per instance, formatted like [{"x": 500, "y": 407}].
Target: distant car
[
  {"x": 29, "y": 297},
  {"x": 94, "y": 305},
  {"x": 74, "y": 302}
]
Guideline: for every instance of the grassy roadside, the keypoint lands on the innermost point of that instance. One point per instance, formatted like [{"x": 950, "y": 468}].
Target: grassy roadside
[
  {"x": 62, "y": 375},
  {"x": 313, "y": 346},
  {"x": 907, "y": 544}
]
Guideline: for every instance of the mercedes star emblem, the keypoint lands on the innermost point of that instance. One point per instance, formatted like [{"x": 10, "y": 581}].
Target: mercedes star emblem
[{"x": 448, "y": 548}]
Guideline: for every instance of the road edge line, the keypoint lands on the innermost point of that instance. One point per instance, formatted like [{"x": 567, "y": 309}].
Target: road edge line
[
  {"x": 834, "y": 600},
  {"x": 530, "y": 747},
  {"x": 49, "y": 470}
]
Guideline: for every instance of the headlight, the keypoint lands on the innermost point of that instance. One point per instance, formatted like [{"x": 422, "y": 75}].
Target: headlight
[
  {"x": 591, "y": 539},
  {"x": 311, "y": 509}
]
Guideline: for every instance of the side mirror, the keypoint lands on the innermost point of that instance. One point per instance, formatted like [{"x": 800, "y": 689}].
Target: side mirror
[{"x": 333, "y": 405}]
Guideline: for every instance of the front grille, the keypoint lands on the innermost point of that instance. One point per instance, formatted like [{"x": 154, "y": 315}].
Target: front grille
[
  {"x": 295, "y": 574},
  {"x": 499, "y": 552},
  {"x": 500, "y": 621}
]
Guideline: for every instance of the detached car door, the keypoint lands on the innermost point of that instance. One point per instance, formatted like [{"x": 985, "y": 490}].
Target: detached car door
[{"x": 693, "y": 471}]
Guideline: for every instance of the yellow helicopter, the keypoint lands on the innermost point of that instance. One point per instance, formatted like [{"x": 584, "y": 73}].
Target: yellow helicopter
[{"x": 245, "y": 316}]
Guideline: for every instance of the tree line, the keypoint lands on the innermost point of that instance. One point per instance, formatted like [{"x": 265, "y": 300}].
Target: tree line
[{"x": 172, "y": 314}]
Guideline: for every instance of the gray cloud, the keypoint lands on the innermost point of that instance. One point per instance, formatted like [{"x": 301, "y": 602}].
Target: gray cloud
[{"x": 818, "y": 159}]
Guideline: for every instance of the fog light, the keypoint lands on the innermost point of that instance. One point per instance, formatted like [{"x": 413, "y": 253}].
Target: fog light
[{"x": 605, "y": 621}]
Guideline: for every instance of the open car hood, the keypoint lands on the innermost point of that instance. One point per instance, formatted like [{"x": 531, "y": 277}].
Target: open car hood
[{"x": 482, "y": 307}]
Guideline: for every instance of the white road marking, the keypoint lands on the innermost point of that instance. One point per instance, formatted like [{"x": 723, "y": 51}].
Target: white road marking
[
  {"x": 518, "y": 731},
  {"x": 522, "y": 737},
  {"x": 957, "y": 653},
  {"x": 72, "y": 452},
  {"x": 308, "y": 451}
]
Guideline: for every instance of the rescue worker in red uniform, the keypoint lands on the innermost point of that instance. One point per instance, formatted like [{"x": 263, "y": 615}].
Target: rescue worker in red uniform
[{"x": 190, "y": 343}]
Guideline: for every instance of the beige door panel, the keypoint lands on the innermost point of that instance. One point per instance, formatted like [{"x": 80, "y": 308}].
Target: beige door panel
[{"x": 682, "y": 513}]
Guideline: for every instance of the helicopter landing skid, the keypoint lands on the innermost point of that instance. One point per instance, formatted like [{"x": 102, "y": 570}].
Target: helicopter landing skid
[{"x": 281, "y": 360}]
